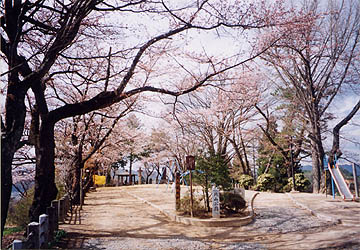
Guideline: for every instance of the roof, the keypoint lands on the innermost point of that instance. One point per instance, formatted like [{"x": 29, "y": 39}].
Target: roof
[{"x": 122, "y": 172}]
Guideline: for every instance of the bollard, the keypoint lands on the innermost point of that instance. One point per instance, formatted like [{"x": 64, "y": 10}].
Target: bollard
[
  {"x": 62, "y": 210},
  {"x": 50, "y": 211},
  {"x": 67, "y": 204},
  {"x": 17, "y": 244},
  {"x": 55, "y": 204},
  {"x": 33, "y": 235},
  {"x": 43, "y": 230}
]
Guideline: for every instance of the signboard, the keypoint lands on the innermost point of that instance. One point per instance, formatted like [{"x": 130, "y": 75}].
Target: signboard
[
  {"x": 215, "y": 203},
  {"x": 190, "y": 162}
]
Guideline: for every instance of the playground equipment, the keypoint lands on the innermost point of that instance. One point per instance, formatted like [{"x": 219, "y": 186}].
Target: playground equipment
[
  {"x": 339, "y": 180},
  {"x": 171, "y": 177},
  {"x": 173, "y": 167}
]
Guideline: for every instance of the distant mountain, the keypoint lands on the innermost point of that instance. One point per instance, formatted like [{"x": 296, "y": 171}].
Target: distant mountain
[
  {"x": 15, "y": 193},
  {"x": 349, "y": 169},
  {"x": 346, "y": 167},
  {"x": 306, "y": 168}
]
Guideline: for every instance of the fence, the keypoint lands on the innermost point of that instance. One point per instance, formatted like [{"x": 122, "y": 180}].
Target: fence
[{"x": 42, "y": 232}]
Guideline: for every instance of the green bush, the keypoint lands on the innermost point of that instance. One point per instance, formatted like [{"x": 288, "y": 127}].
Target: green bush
[
  {"x": 59, "y": 235},
  {"x": 302, "y": 184},
  {"x": 245, "y": 181},
  {"x": 232, "y": 202},
  {"x": 198, "y": 209},
  {"x": 19, "y": 212},
  {"x": 61, "y": 190},
  {"x": 12, "y": 230},
  {"x": 266, "y": 182}
]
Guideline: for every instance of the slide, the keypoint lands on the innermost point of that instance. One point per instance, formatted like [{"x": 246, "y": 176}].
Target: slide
[{"x": 340, "y": 183}]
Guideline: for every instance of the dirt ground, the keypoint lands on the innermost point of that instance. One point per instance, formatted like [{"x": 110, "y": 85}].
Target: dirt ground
[{"x": 113, "y": 218}]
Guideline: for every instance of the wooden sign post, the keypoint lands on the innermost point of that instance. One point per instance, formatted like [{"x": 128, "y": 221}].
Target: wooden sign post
[
  {"x": 177, "y": 191},
  {"x": 140, "y": 176},
  {"x": 190, "y": 165}
]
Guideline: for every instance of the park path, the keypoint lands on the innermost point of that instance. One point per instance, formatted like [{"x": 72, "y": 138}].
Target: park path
[{"x": 118, "y": 218}]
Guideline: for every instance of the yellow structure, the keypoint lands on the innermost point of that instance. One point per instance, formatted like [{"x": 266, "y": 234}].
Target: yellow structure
[{"x": 99, "y": 180}]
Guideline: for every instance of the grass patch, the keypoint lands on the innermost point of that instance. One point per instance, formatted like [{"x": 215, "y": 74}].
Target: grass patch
[
  {"x": 59, "y": 235},
  {"x": 10, "y": 230}
]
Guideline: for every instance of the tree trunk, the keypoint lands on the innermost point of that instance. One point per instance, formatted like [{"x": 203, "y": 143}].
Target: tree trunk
[
  {"x": 7, "y": 155},
  {"x": 315, "y": 169},
  {"x": 76, "y": 176},
  {"x": 11, "y": 135},
  {"x": 130, "y": 168},
  {"x": 45, "y": 188},
  {"x": 317, "y": 159},
  {"x": 247, "y": 167},
  {"x": 207, "y": 193},
  {"x": 335, "y": 150}
]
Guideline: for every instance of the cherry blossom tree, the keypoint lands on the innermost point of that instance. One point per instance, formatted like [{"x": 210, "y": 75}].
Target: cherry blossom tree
[
  {"x": 220, "y": 117},
  {"x": 134, "y": 145},
  {"x": 316, "y": 61},
  {"x": 51, "y": 47},
  {"x": 82, "y": 142}
]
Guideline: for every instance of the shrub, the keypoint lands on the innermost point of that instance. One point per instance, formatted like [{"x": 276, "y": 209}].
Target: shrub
[
  {"x": 301, "y": 182},
  {"x": 12, "y": 230},
  {"x": 19, "y": 212},
  {"x": 61, "y": 190},
  {"x": 198, "y": 209},
  {"x": 266, "y": 182},
  {"x": 245, "y": 181},
  {"x": 232, "y": 202}
]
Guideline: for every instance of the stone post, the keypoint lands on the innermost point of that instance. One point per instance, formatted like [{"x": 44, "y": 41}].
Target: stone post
[
  {"x": 55, "y": 205},
  {"x": 215, "y": 203},
  {"x": 43, "y": 230},
  {"x": 62, "y": 210},
  {"x": 33, "y": 229},
  {"x": 17, "y": 244},
  {"x": 67, "y": 204},
  {"x": 50, "y": 211}
]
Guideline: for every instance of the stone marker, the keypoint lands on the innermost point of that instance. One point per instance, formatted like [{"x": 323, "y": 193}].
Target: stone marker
[{"x": 215, "y": 203}]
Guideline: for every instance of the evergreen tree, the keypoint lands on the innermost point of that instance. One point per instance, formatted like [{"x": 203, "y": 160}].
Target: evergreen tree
[{"x": 213, "y": 169}]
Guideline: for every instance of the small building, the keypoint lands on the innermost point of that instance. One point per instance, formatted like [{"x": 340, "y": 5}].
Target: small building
[{"x": 123, "y": 177}]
